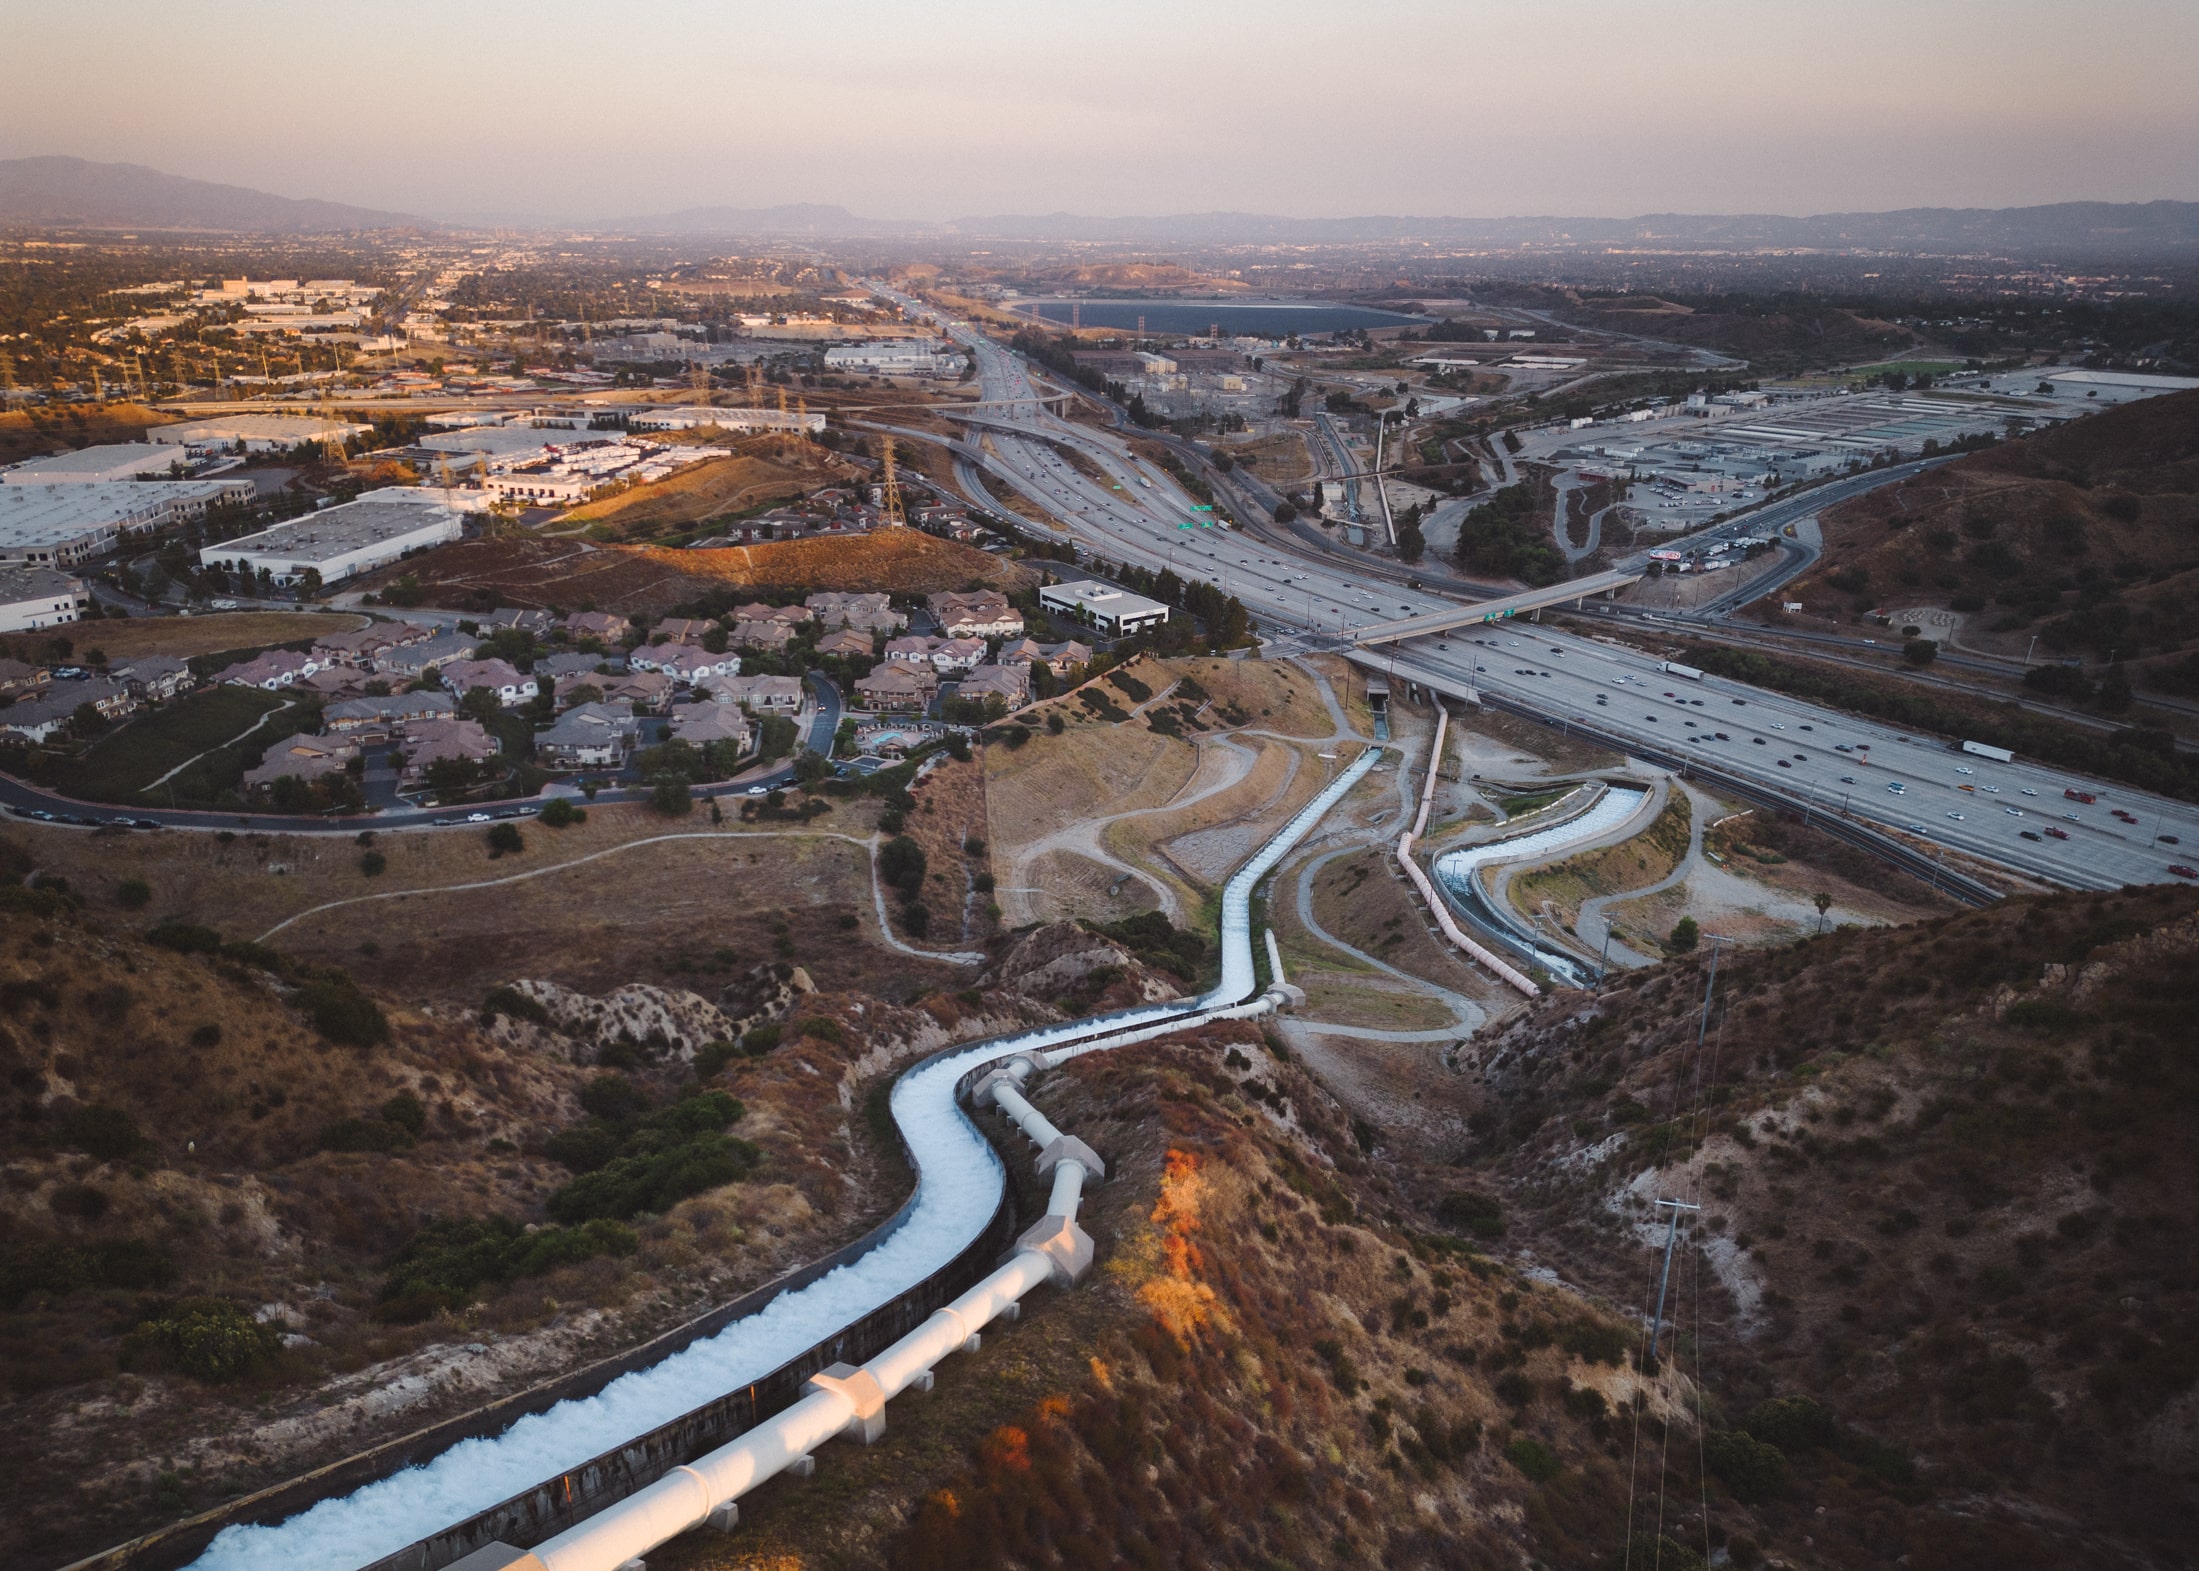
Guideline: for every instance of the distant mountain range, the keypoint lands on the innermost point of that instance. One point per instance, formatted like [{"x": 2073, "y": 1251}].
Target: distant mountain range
[{"x": 75, "y": 192}]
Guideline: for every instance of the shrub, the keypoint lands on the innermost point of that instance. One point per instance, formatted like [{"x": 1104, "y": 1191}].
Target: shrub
[
  {"x": 1480, "y": 1215},
  {"x": 824, "y": 1030},
  {"x": 373, "y": 864},
  {"x": 505, "y": 839},
  {"x": 1792, "y": 1423},
  {"x": 1920, "y": 651},
  {"x": 443, "y": 1264},
  {"x": 107, "y": 1133},
  {"x": 1534, "y": 1459},
  {"x": 378, "y": 1135},
  {"x": 61, "y": 1267},
  {"x": 85, "y": 1202},
  {"x": 901, "y": 866},
  {"x": 185, "y": 938},
  {"x": 342, "y": 1013},
  {"x": 133, "y": 894},
  {"x": 1752, "y": 1469},
  {"x": 759, "y": 1040},
  {"x": 1662, "y": 1552},
  {"x": 561, "y": 812},
  {"x": 714, "y": 1056},
  {"x": 209, "y": 1339},
  {"x": 404, "y": 1110},
  {"x": 671, "y": 799},
  {"x": 1685, "y": 935},
  {"x": 511, "y": 1001}
]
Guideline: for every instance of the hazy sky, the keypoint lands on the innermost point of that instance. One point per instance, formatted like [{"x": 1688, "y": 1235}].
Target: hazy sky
[{"x": 933, "y": 110}]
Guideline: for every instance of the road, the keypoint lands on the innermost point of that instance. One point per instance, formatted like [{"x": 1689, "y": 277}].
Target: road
[{"x": 1137, "y": 514}]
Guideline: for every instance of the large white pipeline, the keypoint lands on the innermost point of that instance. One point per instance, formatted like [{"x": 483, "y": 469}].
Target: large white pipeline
[
  {"x": 1428, "y": 895},
  {"x": 958, "y": 1188}
]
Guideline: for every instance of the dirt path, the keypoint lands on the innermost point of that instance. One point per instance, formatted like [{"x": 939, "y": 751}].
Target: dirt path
[
  {"x": 1466, "y": 1014},
  {"x": 286, "y": 705},
  {"x": 1594, "y": 929}
]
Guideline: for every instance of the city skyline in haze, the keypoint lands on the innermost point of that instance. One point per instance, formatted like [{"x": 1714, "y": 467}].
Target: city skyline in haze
[{"x": 591, "y": 114}]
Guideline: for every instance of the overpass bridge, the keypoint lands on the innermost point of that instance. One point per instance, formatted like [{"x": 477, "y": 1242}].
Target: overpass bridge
[{"x": 1444, "y": 621}]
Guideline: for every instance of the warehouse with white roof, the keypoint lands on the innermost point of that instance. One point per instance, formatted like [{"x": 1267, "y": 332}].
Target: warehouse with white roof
[
  {"x": 60, "y": 525},
  {"x": 109, "y": 464},
  {"x": 341, "y": 542}
]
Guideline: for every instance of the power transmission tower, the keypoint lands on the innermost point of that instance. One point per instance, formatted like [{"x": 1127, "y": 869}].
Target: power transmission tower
[{"x": 889, "y": 488}]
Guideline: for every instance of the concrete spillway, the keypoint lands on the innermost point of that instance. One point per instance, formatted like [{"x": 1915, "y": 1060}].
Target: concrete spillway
[
  {"x": 1456, "y": 871},
  {"x": 959, "y": 1187}
]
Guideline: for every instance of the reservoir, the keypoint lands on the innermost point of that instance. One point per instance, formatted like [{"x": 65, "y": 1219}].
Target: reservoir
[{"x": 1181, "y": 318}]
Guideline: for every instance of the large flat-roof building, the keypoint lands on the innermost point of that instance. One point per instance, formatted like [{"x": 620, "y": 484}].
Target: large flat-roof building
[
  {"x": 258, "y": 433},
  {"x": 35, "y": 597},
  {"x": 357, "y": 537},
  {"x": 687, "y": 417},
  {"x": 107, "y": 464},
  {"x": 61, "y": 525},
  {"x": 902, "y": 357},
  {"x": 1115, "y": 612}
]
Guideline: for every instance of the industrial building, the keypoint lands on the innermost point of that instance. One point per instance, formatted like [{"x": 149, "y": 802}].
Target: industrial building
[
  {"x": 258, "y": 433},
  {"x": 686, "y": 417},
  {"x": 357, "y": 537},
  {"x": 1115, "y": 612},
  {"x": 904, "y": 357},
  {"x": 113, "y": 463},
  {"x": 35, "y": 597},
  {"x": 61, "y": 525}
]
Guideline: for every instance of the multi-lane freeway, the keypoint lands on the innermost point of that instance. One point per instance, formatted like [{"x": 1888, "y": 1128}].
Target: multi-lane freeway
[{"x": 1818, "y": 759}]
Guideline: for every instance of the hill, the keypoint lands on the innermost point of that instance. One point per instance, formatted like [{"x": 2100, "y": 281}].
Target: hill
[
  {"x": 2086, "y": 534},
  {"x": 1943, "y": 1170},
  {"x": 77, "y": 193}
]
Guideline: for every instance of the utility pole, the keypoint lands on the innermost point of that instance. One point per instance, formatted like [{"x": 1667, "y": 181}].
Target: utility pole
[{"x": 1672, "y": 1237}]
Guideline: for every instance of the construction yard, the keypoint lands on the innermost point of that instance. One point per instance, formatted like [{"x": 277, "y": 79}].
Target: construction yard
[{"x": 764, "y": 469}]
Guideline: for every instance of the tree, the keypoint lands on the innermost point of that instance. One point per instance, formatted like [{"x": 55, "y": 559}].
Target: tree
[
  {"x": 1920, "y": 652},
  {"x": 671, "y": 798},
  {"x": 776, "y": 737},
  {"x": 560, "y": 811},
  {"x": 505, "y": 838},
  {"x": 1685, "y": 935},
  {"x": 1411, "y": 543},
  {"x": 480, "y": 704},
  {"x": 1285, "y": 513},
  {"x": 901, "y": 866},
  {"x": 1823, "y": 902}
]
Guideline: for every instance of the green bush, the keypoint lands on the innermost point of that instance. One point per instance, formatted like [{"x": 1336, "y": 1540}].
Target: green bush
[
  {"x": 1792, "y": 1423},
  {"x": 1661, "y": 1552},
  {"x": 373, "y": 864},
  {"x": 1534, "y": 1459},
  {"x": 714, "y": 1056},
  {"x": 759, "y": 1040},
  {"x": 632, "y": 1161},
  {"x": 342, "y": 1013},
  {"x": 133, "y": 894},
  {"x": 824, "y": 1030},
  {"x": 185, "y": 938},
  {"x": 505, "y": 840},
  {"x": 1480, "y": 1215},
  {"x": 1686, "y": 934},
  {"x": 209, "y": 1339},
  {"x": 901, "y": 866},
  {"x": 444, "y": 1264},
  {"x": 108, "y": 1133},
  {"x": 1751, "y": 1469},
  {"x": 404, "y": 1110},
  {"x": 511, "y": 1001},
  {"x": 376, "y": 1135},
  {"x": 59, "y": 1267},
  {"x": 560, "y": 812}
]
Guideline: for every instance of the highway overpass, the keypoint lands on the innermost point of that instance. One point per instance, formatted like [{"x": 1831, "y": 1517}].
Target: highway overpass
[{"x": 1574, "y": 591}]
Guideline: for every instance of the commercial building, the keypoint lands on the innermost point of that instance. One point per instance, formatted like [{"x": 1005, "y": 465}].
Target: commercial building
[
  {"x": 686, "y": 417},
  {"x": 1115, "y": 612},
  {"x": 107, "y": 464},
  {"x": 60, "y": 525},
  {"x": 357, "y": 537},
  {"x": 258, "y": 433},
  {"x": 906, "y": 357},
  {"x": 35, "y": 597}
]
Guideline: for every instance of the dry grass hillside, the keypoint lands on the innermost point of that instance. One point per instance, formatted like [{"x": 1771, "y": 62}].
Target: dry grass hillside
[
  {"x": 2082, "y": 533},
  {"x": 62, "y": 428},
  {"x": 1274, "y": 1363},
  {"x": 763, "y": 469},
  {"x": 899, "y": 561},
  {"x": 1945, "y": 1171},
  {"x": 183, "y": 637}
]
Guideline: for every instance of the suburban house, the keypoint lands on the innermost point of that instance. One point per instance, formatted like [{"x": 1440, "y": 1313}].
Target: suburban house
[
  {"x": 682, "y": 630},
  {"x": 916, "y": 649},
  {"x": 538, "y": 623},
  {"x": 432, "y": 741},
  {"x": 702, "y": 724},
  {"x": 423, "y": 657},
  {"x": 981, "y": 613},
  {"x": 897, "y": 685},
  {"x": 845, "y": 641},
  {"x": 19, "y": 676},
  {"x": 684, "y": 662},
  {"x": 44, "y": 713},
  {"x": 1062, "y": 658},
  {"x": 1009, "y": 682},
  {"x": 588, "y": 736},
  {"x": 788, "y": 615},
  {"x": 958, "y": 654},
  {"x": 510, "y": 685},
  {"x": 606, "y": 626},
  {"x": 647, "y": 691},
  {"x": 764, "y": 695},
  {"x": 334, "y": 681},
  {"x": 269, "y": 669},
  {"x": 366, "y": 645},
  {"x": 378, "y": 719},
  {"x": 771, "y": 636},
  {"x": 306, "y": 757},
  {"x": 155, "y": 678},
  {"x": 866, "y": 613}
]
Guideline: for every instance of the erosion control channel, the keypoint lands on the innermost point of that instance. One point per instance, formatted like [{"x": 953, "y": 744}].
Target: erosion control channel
[{"x": 473, "y": 1499}]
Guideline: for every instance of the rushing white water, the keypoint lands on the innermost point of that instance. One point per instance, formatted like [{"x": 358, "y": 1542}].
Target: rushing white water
[
  {"x": 1614, "y": 808},
  {"x": 958, "y": 1187}
]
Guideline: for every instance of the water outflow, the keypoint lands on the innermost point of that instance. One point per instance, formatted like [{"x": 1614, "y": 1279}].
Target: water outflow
[
  {"x": 1456, "y": 871},
  {"x": 959, "y": 1183}
]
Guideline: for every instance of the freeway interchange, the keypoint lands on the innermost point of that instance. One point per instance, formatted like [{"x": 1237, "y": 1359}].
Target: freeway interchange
[{"x": 1815, "y": 759}]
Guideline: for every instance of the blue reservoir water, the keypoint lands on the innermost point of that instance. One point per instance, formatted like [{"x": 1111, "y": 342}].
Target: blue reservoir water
[{"x": 1261, "y": 318}]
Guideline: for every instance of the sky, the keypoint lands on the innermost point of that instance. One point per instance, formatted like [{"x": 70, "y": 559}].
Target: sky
[{"x": 936, "y": 109}]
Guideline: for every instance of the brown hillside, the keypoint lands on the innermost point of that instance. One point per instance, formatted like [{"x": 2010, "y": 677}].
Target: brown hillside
[
  {"x": 763, "y": 469},
  {"x": 33, "y": 433},
  {"x": 1946, "y": 1173},
  {"x": 901, "y": 561},
  {"x": 2087, "y": 534}
]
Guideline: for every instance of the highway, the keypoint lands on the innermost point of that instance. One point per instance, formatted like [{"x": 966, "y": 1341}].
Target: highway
[{"x": 1779, "y": 745}]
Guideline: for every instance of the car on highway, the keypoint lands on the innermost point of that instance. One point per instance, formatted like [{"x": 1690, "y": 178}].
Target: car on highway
[
  {"x": 1897, "y": 788},
  {"x": 757, "y": 791},
  {"x": 2058, "y": 834},
  {"x": 1847, "y": 780},
  {"x": 2013, "y": 812},
  {"x": 1759, "y": 741},
  {"x": 1957, "y": 817},
  {"x": 1783, "y": 764},
  {"x": 2027, "y": 791},
  {"x": 2182, "y": 871},
  {"x": 2028, "y": 834}
]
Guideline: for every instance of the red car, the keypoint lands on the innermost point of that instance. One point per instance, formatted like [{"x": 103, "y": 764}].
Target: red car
[
  {"x": 2059, "y": 834},
  {"x": 2182, "y": 871}
]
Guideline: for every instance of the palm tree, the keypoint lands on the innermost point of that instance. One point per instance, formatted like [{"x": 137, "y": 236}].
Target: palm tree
[{"x": 1823, "y": 902}]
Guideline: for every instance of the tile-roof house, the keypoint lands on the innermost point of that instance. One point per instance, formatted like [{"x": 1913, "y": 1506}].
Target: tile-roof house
[
  {"x": 269, "y": 669},
  {"x": 701, "y": 724},
  {"x": 306, "y": 757},
  {"x": 958, "y": 654},
  {"x": 981, "y": 613},
  {"x": 432, "y": 741},
  {"x": 869, "y": 613},
  {"x": 155, "y": 677},
  {"x": 891, "y": 685},
  {"x": 789, "y": 615},
  {"x": 423, "y": 657},
  {"x": 682, "y": 629},
  {"x": 608, "y": 626},
  {"x": 772, "y": 695},
  {"x": 1011, "y": 682},
  {"x": 372, "y": 719},
  {"x": 684, "y": 662},
  {"x": 773, "y": 636},
  {"x": 647, "y": 691},
  {"x": 845, "y": 641},
  {"x": 46, "y": 712},
  {"x": 588, "y": 736},
  {"x": 916, "y": 649},
  {"x": 510, "y": 685}
]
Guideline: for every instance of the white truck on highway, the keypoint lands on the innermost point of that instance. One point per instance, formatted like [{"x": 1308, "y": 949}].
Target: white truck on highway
[
  {"x": 1689, "y": 672},
  {"x": 1982, "y": 750}
]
